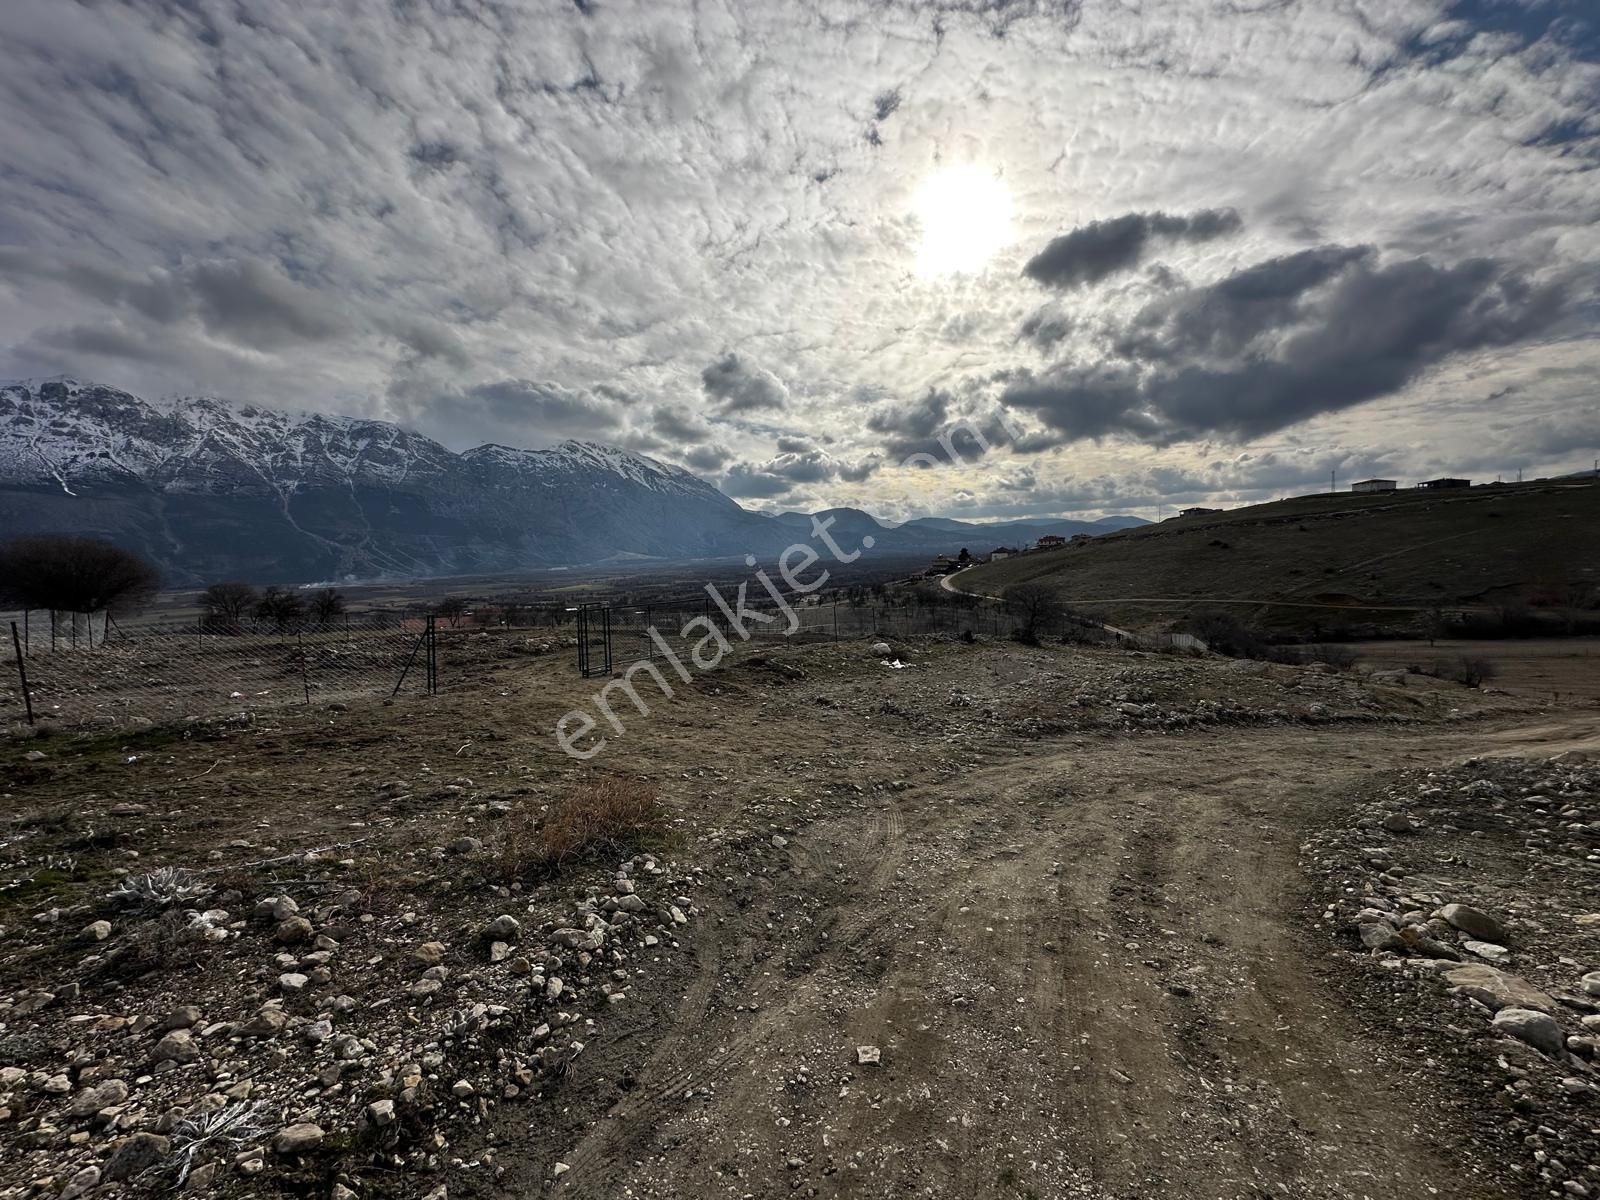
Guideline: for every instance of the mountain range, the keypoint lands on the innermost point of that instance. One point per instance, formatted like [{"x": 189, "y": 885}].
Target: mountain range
[{"x": 212, "y": 490}]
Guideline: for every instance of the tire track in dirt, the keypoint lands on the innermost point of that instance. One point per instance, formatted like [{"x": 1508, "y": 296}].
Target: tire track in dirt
[
  {"x": 1139, "y": 1021},
  {"x": 681, "y": 1062},
  {"x": 665, "y": 1068}
]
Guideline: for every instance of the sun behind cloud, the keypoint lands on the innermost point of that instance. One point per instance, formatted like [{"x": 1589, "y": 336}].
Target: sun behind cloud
[{"x": 965, "y": 215}]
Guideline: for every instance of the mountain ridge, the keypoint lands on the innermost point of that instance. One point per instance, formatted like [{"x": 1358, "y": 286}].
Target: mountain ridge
[{"x": 209, "y": 490}]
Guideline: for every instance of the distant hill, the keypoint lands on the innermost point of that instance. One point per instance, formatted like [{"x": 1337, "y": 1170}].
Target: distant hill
[{"x": 1380, "y": 560}]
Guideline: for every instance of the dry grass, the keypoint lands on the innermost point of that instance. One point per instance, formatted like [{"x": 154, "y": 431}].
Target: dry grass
[{"x": 602, "y": 815}]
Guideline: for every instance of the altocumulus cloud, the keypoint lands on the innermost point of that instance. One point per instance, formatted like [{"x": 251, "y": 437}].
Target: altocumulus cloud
[{"x": 695, "y": 231}]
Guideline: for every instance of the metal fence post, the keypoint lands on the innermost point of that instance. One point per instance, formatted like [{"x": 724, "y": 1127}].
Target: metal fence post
[
  {"x": 22, "y": 671},
  {"x": 417, "y": 645},
  {"x": 305, "y": 681},
  {"x": 433, "y": 657}
]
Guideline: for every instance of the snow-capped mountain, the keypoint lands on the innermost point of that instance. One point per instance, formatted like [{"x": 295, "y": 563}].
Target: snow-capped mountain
[{"x": 213, "y": 490}]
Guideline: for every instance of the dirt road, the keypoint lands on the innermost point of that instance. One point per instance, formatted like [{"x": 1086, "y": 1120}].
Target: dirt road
[{"x": 1087, "y": 972}]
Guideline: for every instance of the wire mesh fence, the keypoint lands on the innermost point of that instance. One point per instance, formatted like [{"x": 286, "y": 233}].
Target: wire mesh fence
[
  {"x": 83, "y": 673},
  {"x": 612, "y": 636}
]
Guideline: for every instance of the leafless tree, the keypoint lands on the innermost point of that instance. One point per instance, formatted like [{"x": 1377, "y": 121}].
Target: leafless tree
[
  {"x": 451, "y": 608},
  {"x": 227, "y": 603},
  {"x": 326, "y": 605},
  {"x": 1036, "y": 605},
  {"x": 280, "y": 608}
]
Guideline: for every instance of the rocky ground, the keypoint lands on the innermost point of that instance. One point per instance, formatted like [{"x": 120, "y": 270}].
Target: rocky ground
[
  {"x": 1468, "y": 899},
  {"x": 999, "y": 921}
]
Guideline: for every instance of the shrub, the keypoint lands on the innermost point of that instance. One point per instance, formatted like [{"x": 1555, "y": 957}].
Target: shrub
[
  {"x": 1341, "y": 658},
  {"x": 603, "y": 815},
  {"x": 1471, "y": 671},
  {"x": 1227, "y": 634}
]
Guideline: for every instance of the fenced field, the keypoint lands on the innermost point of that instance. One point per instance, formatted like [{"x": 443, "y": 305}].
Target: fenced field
[
  {"x": 611, "y": 636},
  {"x": 77, "y": 674}
]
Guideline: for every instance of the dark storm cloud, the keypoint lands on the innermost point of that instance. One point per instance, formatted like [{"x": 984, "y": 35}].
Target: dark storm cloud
[
  {"x": 685, "y": 436},
  {"x": 741, "y": 386},
  {"x": 743, "y": 481},
  {"x": 786, "y": 472},
  {"x": 927, "y": 433},
  {"x": 516, "y": 412},
  {"x": 1091, "y": 253},
  {"x": 1224, "y": 318},
  {"x": 430, "y": 339},
  {"x": 112, "y": 340},
  {"x": 1045, "y": 329},
  {"x": 679, "y": 424},
  {"x": 243, "y": 301},
  {"x": 919, "y": 419},
  {"x": 249, "y": 303},
  {"x": 707, "y": 458},
  {"x": 522, "y": 401},
  {"x": 1285, "y": 340}
]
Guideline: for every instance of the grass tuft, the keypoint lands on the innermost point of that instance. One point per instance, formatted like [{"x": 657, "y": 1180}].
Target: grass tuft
[{"x": 602, "y": 815}]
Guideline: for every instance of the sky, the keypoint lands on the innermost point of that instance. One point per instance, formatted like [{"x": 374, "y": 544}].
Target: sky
[{"x": 970, "y": 258}]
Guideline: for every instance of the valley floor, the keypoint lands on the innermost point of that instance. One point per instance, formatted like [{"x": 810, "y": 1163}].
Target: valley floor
[{"x": 1008, "y": 922}]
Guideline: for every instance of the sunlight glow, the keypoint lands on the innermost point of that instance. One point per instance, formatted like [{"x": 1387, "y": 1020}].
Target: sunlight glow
[{"x": 965, "y": 214}]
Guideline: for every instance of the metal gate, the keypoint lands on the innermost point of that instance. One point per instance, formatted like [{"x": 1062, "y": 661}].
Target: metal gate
[{"x": 594, "y": 640}]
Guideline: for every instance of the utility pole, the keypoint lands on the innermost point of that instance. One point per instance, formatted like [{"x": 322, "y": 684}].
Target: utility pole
[{"x": 1333, "y": 480}]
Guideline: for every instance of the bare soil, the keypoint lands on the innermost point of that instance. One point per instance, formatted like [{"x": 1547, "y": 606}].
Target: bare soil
[
  {"x": 1552, "y": 669},
  {"x": 1058, "y": 890}
]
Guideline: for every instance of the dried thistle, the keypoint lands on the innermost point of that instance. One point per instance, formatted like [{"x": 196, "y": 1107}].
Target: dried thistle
[
  {"x": 233, "y": 1127},
  {"x": 159, "y": 889}
]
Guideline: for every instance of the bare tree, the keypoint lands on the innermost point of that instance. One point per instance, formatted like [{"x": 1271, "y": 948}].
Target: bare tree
[
  {"x": 451, "y": 608},
  {"x": 280, "y": 608},
  {"x": 1036, "y": 605},
  {"x": 227, "y": 603},
  {"x": 74, "y": 574},
  {"x": 326, "y": 605}
]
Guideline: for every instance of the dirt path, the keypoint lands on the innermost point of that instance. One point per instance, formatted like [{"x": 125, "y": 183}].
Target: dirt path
[{"x": 1085, "y": 979}]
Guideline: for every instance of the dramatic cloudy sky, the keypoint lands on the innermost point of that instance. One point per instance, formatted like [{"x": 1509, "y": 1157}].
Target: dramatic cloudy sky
[{"x": 1115, "y": 252}]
